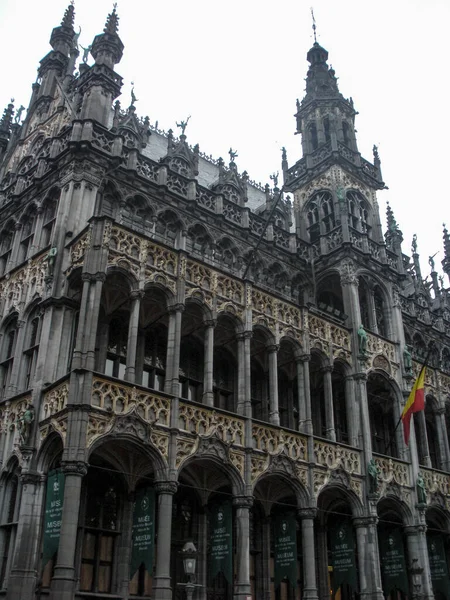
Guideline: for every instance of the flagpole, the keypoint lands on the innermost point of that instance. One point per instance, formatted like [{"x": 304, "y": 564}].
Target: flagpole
[{"x": 391, "y": 437}]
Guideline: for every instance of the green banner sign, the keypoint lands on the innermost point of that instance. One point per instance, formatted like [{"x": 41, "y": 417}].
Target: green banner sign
[
  {"x": 53, "y": 514},
  {"x": 285, "y": 530},
  {"x": 221, "y": 541},
  {"x": 393, "y": 565},
  {"x": 438, "y": 565},
  {"x": 343, "y": 558},
  {"x": 143, "y": 531}
]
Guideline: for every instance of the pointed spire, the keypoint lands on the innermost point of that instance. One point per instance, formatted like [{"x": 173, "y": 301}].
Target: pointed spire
[
  {"x": 391, "y": 222},
  {"x": 69, "y": 16},
  {"x": 112, "y": 22},
  {"x": 107, "y": 47},
  {"x": 5, "y": 125}
]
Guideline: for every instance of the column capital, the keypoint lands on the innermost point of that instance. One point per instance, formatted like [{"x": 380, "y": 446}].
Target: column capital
[
  {"x": 78, "y": 468},
  {"x": 31, "y": 477},
  {"x": 178, "y": 307},
  {"x": 243, "y": 501},
  {"x": 271, "y": 348},
  {"x": 363, "y": 522},
  {"x": 326, "y": 369},
  {"x": 244, "y": 335},
  {"x": 304, "y": 358},
  {"x": 210, "y": 323},
  {"x": 411, "y": 530},
  {"x": 166, "y": 487},
  {"x": 307, "y": 513},
  {"x": 440, "y": 410},
  {"x": 137, "y": 294},
  {"x": 360, "y": 376}
]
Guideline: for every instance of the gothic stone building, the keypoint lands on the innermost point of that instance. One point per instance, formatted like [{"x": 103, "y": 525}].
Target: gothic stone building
[{"x": 180, "y": 359}]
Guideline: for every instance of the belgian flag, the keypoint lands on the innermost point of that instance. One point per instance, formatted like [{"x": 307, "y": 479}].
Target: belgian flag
[{"x": 415, "y": 403}]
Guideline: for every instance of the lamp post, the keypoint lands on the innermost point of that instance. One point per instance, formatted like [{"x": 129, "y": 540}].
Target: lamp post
[{"x": 189, "y": 554}]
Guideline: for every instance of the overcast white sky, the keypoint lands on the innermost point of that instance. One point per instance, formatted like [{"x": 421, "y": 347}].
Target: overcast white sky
[{"x": 237, "y": 67}]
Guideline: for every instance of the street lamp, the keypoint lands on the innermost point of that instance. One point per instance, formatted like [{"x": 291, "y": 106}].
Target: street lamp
[{"x": 189, "y": 554}]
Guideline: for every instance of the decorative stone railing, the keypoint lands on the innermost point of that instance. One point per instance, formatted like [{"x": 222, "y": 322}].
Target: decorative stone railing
[
  {"x": 321, "y": 330},
  {"x": 119, "y": 399},
  {"x": 78, "y": 251},
  {"x": 436, "y": 481},
  {"x": 207, "y": 421},
  {"x": 377, "y": 345},
  {"x": 55, "y": 400},
  {"x": 393, "y": 470},
  {"x": 20, "y": 286},
  {"x": 11, "y": 410},
  {"x": 277, "y": 441},
  {"x": 334, "y": 456}
]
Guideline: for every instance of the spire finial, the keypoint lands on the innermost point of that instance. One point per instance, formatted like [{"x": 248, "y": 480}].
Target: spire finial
[
  {"x": 112, "y": 22},
  {"x": 183, "y": 124},
  {"x": 314, "y": 25},
  {"x": 69, "y": 16}
]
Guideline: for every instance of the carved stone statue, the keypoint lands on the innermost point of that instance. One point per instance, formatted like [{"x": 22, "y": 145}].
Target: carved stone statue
[
  {"x": 340, "y": 194},
  {"x": 407, "y": 360},
  {"x": 362, "y": 335},
  {"x": 233, "y": 154},
  {"x": 86, "y": 53},
  {"x": 373, "y": 474},
  {"x": 24, "y": 423},
  {"x": 51, "y": 259},
  {"x": 421, "y": 490},
  {"x": 414, "y": 244},
  {"x": 19, "y": 113},
  {"x": 431, "y": 261},
  {"x": 183, "y": 124}
]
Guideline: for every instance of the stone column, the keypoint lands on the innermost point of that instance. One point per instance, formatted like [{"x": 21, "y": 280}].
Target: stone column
[
  {"x": 422, "y": 443},
  {"x": 208, "y": 373},
  {"x": 352, "y": 411},
  {"x": 418, "y": 559},
  {"x": 373, "y": 325},
  {"x": 64, "y": 578},
  {"x": 35, "y": 244},
  {"x": 361, "y": 396},
  {"x": 133, "y": 329},
  {"x": 308, "y": 429},
  {"x": 330, "y": 431},
  {"x": 124, "y": 548},
  {"x": 307, "y": 516},
  {"x": 244, "y": 403},
  {"x": 322, "y": 567},
  {"x": 274, "y": 416},
  {"x": 368, "y": 558},
  {"x": 301, "y": 404},
  {"x": 14, "y": 383},
  {"x": 22, "y": 580},
  {"x": 172, "y": 383},
  {"x": 441, "y": 428},
  {"x": 161, "y": 583},
  {"x": 242, "y": 587}
]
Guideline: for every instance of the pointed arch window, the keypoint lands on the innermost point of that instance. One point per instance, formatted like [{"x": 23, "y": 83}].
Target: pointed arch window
[
  {"x": 48, "y": 221},
  {"x": 224, "y": 379},
  {"x": 31, "y": 350},
  {"x": 346, "y": 133},
  {"x": 155, "y": 350},
  {"x": 191, "y": 369},
  {"x": 7, "y": 355},
  {"x": 27, "y": 235},
  {"x": 313, "y": 137},
  {"x": 9, "y": 516},
  {"x": 116, "y": 357},
  {"x": 320, "y": 215},
  {"x": 326, "y": 129},
  {"x": 6, "y": 244},
  {"x": 359, "y": 212}
]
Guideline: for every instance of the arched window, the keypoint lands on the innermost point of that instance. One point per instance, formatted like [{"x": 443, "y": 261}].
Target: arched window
[
  {"x": 382, "y": 417},
  {"x": 27, "y": 234},
  {"x": 359, "y": 212},
  {"x": 48, "y": 221},
  {"x": 100, "y": 528},
  {"x": 379, "y": 311},
  {"x": 339, "y": 405},
  {"x": 313, "y": 139},
  {"x": 155, "y": 350},
  {"x": 191, "y": 369},
  {"x": 31, "y": 350},
  {"x": 224, "y": 379},
  {"x": 316, "y": 378},
  {"x": 346, "y": 133},
  {"x": 9, "y": 516},
  {"x": 7, "y": 355},
  {"x": 6, "y": 244},
  {"x": 199, "y": 241},
  {"x": 137, "y": 215},
  {"x": 320, "y": 215},
  {"x": 326, "y": 129},
  {"x": 260, "y": 409},
  {"x": 116, "y": 357}
]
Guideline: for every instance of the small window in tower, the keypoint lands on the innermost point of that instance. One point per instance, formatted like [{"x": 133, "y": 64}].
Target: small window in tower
[
  {"x": 326, "y": 128},
  {"x": 346, "y": 133},
  {"x": 313, "y": 139}
]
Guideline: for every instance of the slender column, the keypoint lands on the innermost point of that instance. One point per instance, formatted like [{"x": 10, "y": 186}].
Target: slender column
[
  {"x": 418, "y": 559},
  {"x": 208, "y": 376},
  {"x": 14, "y": 248},
  {"x": 242, "y": 587},
  {"x": 372, "y": 312},
  {"x": 22, "y": 581},
  {"x": 274, "y": 416},
  {"x": 244, "y": 404},
  {"x": 92, "y": 318},
  {"x": 330, "y": 431},
  {"x": 301, "y": 406},
  {"x": 308, "y": 429},
  {"x": 266, "y": 562},
  {"x": 368, "y": 558},
  {"x": 14, "y": 383},
  {"x": 35, "y": 244},
  {"x": 441, "y": 427},
  {"x": 124, "y": 549},
  {"x": 64, "y": 578},
  {"x": 423, "y": 441},
  {"x": 307, "y": 516},
  {"x": 133, "y": 329},
  {"x": 361, "y": 396},
  {"x": 172, "y": 384},
  {"x": 161, "y": 585},
  {"x": 77, "y": 353},
  {"x": 352, "y": 411},
  {"x": 322, "y": 553}
]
